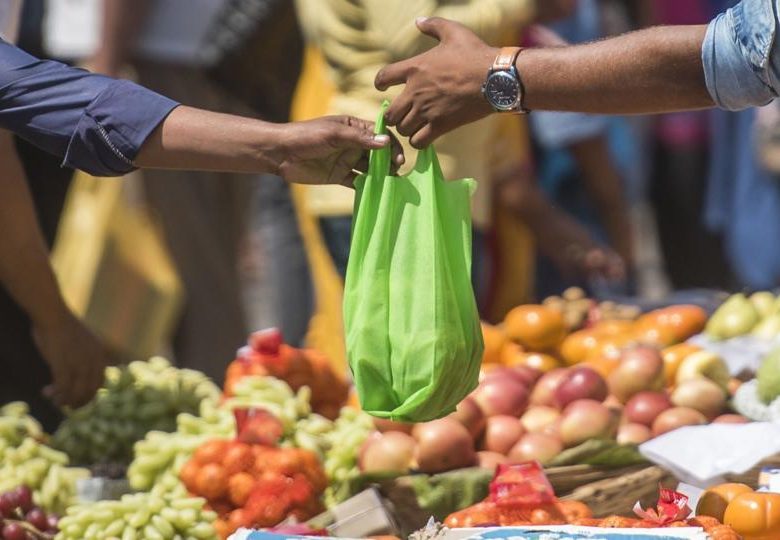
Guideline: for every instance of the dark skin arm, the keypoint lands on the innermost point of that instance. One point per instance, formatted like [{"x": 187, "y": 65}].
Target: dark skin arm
[
  {"x": 649, "y": 71},
  {"x": 122, "y": 21},
  {"x": 602, "y": 183},
  {"x": 74, "y": 355}
]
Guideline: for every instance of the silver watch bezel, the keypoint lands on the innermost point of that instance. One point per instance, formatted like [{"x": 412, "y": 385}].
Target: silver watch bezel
[{"x": 509, "y": 75}]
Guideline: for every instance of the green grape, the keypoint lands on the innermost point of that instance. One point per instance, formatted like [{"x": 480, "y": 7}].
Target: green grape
[
  {"x": 135, "y": 399},
  {"x": 350, "y": 430}
]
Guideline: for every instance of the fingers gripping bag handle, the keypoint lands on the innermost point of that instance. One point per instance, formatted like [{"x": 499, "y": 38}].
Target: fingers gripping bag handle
[{"x": 413, "y": 337}]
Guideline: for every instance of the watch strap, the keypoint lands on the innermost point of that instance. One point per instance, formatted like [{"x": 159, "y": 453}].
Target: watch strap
[{"x": 505, "y": 59}]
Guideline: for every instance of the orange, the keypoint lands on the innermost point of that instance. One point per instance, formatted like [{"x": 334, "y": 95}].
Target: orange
[
  {"x": 612, "y": 344},
  {"x": 535, "y": 327},
  {"x": 189, "y": 474},
  {"x": 211, "y": 482},
  {"x": 212, "y": 451},
  {"x": 715, "y": 500},
  {"x": 494, "y": 339},
  {"x": 353, "y": 400},
  {"x": 604, "y": 362},
  {"x": 240, "y": 486},
  {"x": 673, "y": 356},
  {"x": 578, "y": 346},
  {"x": 613, "y": 327},
  {"x": 671, "y": 325},
  {"x": 541, "y": 361},
  {"x": 238, "y": 458},
  {"x": 511, "y": 355}
]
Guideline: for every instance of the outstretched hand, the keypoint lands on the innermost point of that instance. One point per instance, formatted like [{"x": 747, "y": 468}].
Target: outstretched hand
[
  {"x": 331, "y": 150},
  {"x": 443, "y": 85}
]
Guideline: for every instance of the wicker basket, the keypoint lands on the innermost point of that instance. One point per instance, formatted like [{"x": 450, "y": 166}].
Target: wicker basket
[
  {"x": 617, "y": 494},
  {"x": 750, "y": 477}
]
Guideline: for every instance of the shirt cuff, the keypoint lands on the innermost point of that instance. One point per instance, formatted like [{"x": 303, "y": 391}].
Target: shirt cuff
[
  {"x": 735, "y": 63},
  {"x": 113, "y": 128}
]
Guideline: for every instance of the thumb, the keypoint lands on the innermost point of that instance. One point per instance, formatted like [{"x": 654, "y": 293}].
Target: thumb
[
  {"x": 436, "y": 27},
  {"x": 351, "y": 137}
]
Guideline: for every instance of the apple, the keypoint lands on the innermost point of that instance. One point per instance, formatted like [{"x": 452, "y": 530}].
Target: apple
[
  {"x": 580, "y": 382},
  {"x": 644, "y": 407},
  {"x": 586, "y": 419},
  {"x": 641, "y": 368}
]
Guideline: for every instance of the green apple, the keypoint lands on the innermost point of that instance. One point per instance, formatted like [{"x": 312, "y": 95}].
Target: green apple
[
  {"x": 704, "y": 364},
  {"x": 735, "y": 317}
]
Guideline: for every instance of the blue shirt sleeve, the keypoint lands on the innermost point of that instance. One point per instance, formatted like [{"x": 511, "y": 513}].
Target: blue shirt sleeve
[
  {"x": 740, "y": 55},
  {"x": 96, "y": 123}
]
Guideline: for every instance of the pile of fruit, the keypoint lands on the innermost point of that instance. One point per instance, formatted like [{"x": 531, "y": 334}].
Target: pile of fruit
[
  {"x": 753, "y": 515},
  {"x": 135, "y": 399},
  {"x": 266, "y": 354},
  {"x": 255, "y": 485},
  {"x": 26, "y": 461},
  {"x": 139, "y": 516},
  {"x": 757, "y": 315},
  {"x": 20, "y": 519},
  {"x": 518, "y": 414},
  {"x": 160, "y": 455},
  {"x": 578, "y": 310}
]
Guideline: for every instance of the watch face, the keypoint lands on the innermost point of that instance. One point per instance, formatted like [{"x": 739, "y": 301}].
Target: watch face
[{"x": 502, "y": 90}]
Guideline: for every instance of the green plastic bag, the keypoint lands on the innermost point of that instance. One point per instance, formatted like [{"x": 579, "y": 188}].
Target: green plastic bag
[{"x": 413, "y": 337}]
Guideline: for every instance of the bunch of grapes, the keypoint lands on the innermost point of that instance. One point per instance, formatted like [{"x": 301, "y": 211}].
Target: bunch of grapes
[
  {"x": 160, "y": 456},
  {"x": 139, "y": 516},
  {"x": 134, "y": 400},
  {"x": 16, "y": 424},
  {"x": 350, "y": 430},
  {"x": 43, "y": 469},
  {"x": 20, "y": 519}
]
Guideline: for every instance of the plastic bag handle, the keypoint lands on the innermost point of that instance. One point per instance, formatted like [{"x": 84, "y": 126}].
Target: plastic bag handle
[{"x": 379, "y": 159}]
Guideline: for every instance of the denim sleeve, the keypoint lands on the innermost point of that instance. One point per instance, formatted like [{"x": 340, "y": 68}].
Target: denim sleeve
[
  {"x": 95, "y": 123},
  {"x": 741, "y": 57}
]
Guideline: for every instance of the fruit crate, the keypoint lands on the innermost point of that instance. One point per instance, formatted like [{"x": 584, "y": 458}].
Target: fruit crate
[
  {"x": 414, "y": 499},
  {"x": 617, "y": 494}
]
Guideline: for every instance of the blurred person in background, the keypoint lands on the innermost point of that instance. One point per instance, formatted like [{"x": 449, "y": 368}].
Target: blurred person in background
[
  {"x": 356, "y": 39},
  {"x": 582, "y": 163},
  {"x": 693, "y": 255},
  {"x": 47, "y": 354},
  {"x": 109, "y": 127},
  {"x": 204, "y": 216}
]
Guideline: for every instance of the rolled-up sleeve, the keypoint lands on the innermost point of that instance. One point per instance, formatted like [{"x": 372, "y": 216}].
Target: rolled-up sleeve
[
  {"x": 94, "y": 123},
  {"x": 740, "y": 54}
]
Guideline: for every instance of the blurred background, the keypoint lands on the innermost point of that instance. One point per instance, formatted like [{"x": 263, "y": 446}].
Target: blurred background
[{"x": 629, "y": 209}]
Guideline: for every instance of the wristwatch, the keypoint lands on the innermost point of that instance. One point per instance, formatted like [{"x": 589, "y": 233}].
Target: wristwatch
[{"x": 503, "y": 88}]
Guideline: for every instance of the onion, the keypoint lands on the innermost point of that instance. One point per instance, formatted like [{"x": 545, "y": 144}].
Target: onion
[
  {"x": 471, "y": 416},
  {"x": 586, "y": 419},
  {"x": 730, "y": 419},
  {"x": 580, "y": 382},
  {"x": 490, "y": 460},
  {"x": 537, "y": 417},
  {"x": 641, "y": 368},
  {"x": 502, "y": 432},
  {"x": 644, "y": 407},
  {"x": 677, "y": 417},
  {"x": 443, "y": 445},
  {"x": 389, "y": 452},
  {"x": 383, "y": 426},
  {"x": 701, "y": 394},
  {"x": 633, "y": 434},
  {"x": 501, "y": 396},
  {"x": 536, "y": 446},
  {"x": 544, "y": 390}
]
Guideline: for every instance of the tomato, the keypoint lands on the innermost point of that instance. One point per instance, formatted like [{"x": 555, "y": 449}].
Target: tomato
[
  {"x": 755, "y": 516},
  {"x": 240, "y": 486},
  {"x": 715, "y": 500},
  {"x": 189, "y": 474}
]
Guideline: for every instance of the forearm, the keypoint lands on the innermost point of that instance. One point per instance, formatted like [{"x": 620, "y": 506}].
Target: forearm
[
  {"x": 604, "y": 188},
  {"x": 201, "y": 140},
  {"x": 649, "y": 71},
  {"x": 25, "y": 270}
]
